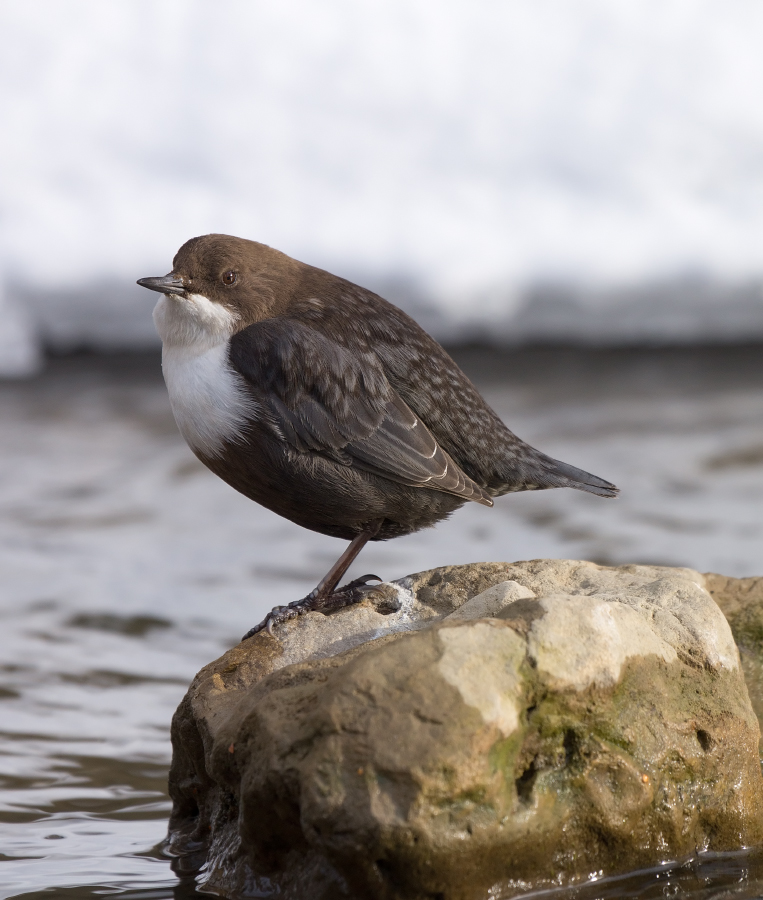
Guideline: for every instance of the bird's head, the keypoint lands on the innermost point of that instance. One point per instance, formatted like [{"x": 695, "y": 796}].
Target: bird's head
[{"x": 218, "y": 285}]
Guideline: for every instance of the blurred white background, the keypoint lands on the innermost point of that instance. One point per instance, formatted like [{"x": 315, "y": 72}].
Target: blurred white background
[{"x": 587, "y": 170}]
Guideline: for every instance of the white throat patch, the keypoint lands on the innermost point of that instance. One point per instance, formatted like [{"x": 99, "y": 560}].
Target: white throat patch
[
  {"x": 192, "y": 320},
  {"x": 209, "y": 398}
]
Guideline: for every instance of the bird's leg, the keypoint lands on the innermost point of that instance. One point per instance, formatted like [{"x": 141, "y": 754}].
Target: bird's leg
[{"x": 325, "y": 596}]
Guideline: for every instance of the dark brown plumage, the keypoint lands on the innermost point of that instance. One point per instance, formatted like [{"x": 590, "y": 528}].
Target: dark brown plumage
[{"x": 354, "y": 422}]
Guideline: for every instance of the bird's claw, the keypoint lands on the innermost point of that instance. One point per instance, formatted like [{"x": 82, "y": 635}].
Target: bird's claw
[
  {"x": 343, "y": 596},
  {"x": 357, "y": 583}
]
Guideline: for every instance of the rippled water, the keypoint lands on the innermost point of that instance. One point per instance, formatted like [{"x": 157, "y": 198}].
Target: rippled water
[{"x": 125, "y": 567}]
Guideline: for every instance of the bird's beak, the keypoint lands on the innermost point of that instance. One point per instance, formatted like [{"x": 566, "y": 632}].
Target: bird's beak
[{"x": 165, "y": 284}]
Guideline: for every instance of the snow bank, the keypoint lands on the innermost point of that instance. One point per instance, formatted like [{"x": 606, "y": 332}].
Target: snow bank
[{"x": 581, "y": 169}]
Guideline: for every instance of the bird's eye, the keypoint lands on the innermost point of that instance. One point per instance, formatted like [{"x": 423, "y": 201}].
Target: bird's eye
[{"x": 230, "y": 277}]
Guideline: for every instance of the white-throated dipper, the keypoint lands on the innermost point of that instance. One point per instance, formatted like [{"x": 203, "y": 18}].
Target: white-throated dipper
[{"x": 328, "y": 405}]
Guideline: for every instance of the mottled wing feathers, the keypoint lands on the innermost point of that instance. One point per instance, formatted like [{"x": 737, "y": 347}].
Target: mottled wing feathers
[
  {"x": 433, "y": 388},
  {"x": 325, "y": 399},
  {"x": 403, "y": 444}
]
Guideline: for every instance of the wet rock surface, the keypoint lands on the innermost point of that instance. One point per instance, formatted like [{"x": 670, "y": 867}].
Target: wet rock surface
[
  {"x": 472, "y": 731},
  {"x": 741, "y": 600}
]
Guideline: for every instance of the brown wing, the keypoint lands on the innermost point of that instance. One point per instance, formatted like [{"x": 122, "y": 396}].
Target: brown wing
[{"x": 325, "y": 399}]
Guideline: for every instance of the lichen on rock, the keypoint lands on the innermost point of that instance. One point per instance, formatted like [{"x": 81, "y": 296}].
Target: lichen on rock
[{"x": 468, "y": 732}]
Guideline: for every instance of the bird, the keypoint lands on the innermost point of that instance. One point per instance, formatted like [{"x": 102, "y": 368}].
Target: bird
[{"x": 328, "y": 405}]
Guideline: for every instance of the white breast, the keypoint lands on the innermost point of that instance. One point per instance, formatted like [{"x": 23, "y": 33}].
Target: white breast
[{"x": 208, "y": 397}]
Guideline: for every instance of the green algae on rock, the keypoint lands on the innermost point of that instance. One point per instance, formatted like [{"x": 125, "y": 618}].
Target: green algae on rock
[{"x": 471, "y": 732}]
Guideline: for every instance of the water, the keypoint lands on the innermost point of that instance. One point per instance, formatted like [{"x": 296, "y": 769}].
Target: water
[{"x": 126, "y": 566}]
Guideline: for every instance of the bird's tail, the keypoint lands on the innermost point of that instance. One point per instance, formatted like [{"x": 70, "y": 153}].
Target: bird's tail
[
  {"x": 538, "y": 472},
  {"x": 570, "y": 476}
]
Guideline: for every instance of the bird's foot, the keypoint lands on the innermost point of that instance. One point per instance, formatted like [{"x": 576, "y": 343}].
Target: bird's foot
[{"x": 314, "y": 602}]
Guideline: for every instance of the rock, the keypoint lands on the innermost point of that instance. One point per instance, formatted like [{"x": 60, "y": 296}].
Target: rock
[
  {"x": 468, "y": 732},
  {"x": 741, "y": 601}
]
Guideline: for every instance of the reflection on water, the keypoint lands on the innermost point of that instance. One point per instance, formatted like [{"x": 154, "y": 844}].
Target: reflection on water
[
  {"x": 126, "y": 567},
  {"x": 706, "y": 876}
]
